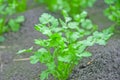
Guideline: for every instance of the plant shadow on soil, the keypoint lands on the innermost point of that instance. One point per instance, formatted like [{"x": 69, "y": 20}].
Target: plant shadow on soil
[{"x": 104, "y": 65}]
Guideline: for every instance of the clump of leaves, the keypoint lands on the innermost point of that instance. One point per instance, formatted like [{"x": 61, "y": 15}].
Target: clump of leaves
[
  {"x": 65, "y": 44},
  {"x": 113, "y": 10},
  {"x": 7, "y": 9},
  {"x": 73, "y": 7},
  {"x": 20, "y": 5}
]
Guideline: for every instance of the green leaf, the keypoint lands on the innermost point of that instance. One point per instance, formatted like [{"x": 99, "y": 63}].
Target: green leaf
[
  {"x": 51, "y": 66},
  {"x": 14, "y": 25},
  {"x": 81, "y": 48},
  {"x": 109, "y": 1},
  {"x": 2, "y": 39},
  {"x": 91, "y": 2},
  {"x": 41, "y": 42},
  {"x": 42, "y": 50},
  {"x": 40, "y": 55},
  {"x": 43, "y": 55},
  {"x": 43, "y": 29},
  {"x": 87, "y": 3},
  {"x": 65, "y": 14},
  {"x": 87, "y": 24},
  {"x": 80, "y": 17},
  {"x": 68, "y": 19},
  {"x": 73, "y": 25},
  {"x": 2, "y": 9},
  {"x": 56, "y": 30},
  {"x": 109, "y": 30},
  {"x": 25, "y": 51},
  {"x": 49, "y": 20},
  {"x": 38, "y": 27},
  {"x": 20, "y": 19},
  {"x": 46, "y": 31},
  {"x": 46, "y": 18},
  {"x": 34, "y": 59},
  {"x": 56, "y": 40},
  {"x": 83, "y": 14},
  {"x": 112, "y": 17},
  {"x": 88, "y": 42},
  {"x": 101, "y": 42},
  {"x": 10, "y": 10},
  {"x": 54, "y": 22},
  {"x": 5, "y": 29},
  {"x": 74, "y": 36},
  {"x": 64, "y": 25},
  {"x": 102, "y": 37},
  {"x": 84, "y": 54},
  {"x": 65, "y": 58},
  {"x": 44, "y": 75}
]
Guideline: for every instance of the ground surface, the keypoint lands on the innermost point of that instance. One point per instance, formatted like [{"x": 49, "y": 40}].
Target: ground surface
[{"x": 105, "y": 60}]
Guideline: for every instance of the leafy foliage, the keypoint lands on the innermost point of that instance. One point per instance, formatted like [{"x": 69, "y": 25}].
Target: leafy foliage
[
  {"x": 65, "y": 45},
  {"x": 113, "y": 11},
  {"x": 73, "y": 7},
  {"x": 7, "y": 9}
]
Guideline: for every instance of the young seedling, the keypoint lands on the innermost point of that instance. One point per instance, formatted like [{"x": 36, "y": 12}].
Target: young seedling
[{"x": 65, "y": 44}]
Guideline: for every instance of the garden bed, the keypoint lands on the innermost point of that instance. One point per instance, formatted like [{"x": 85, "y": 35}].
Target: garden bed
[{"x": 103, "y": 65}]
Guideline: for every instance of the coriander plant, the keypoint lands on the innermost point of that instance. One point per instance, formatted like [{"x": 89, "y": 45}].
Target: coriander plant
[
  {"x": 73, "y": 7},
  {"x": 7, "y": 9},
  {"x": 65, "y": 44},
  {"x": 20, "y": 5},
  {"x": 113, "y": 10}
]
